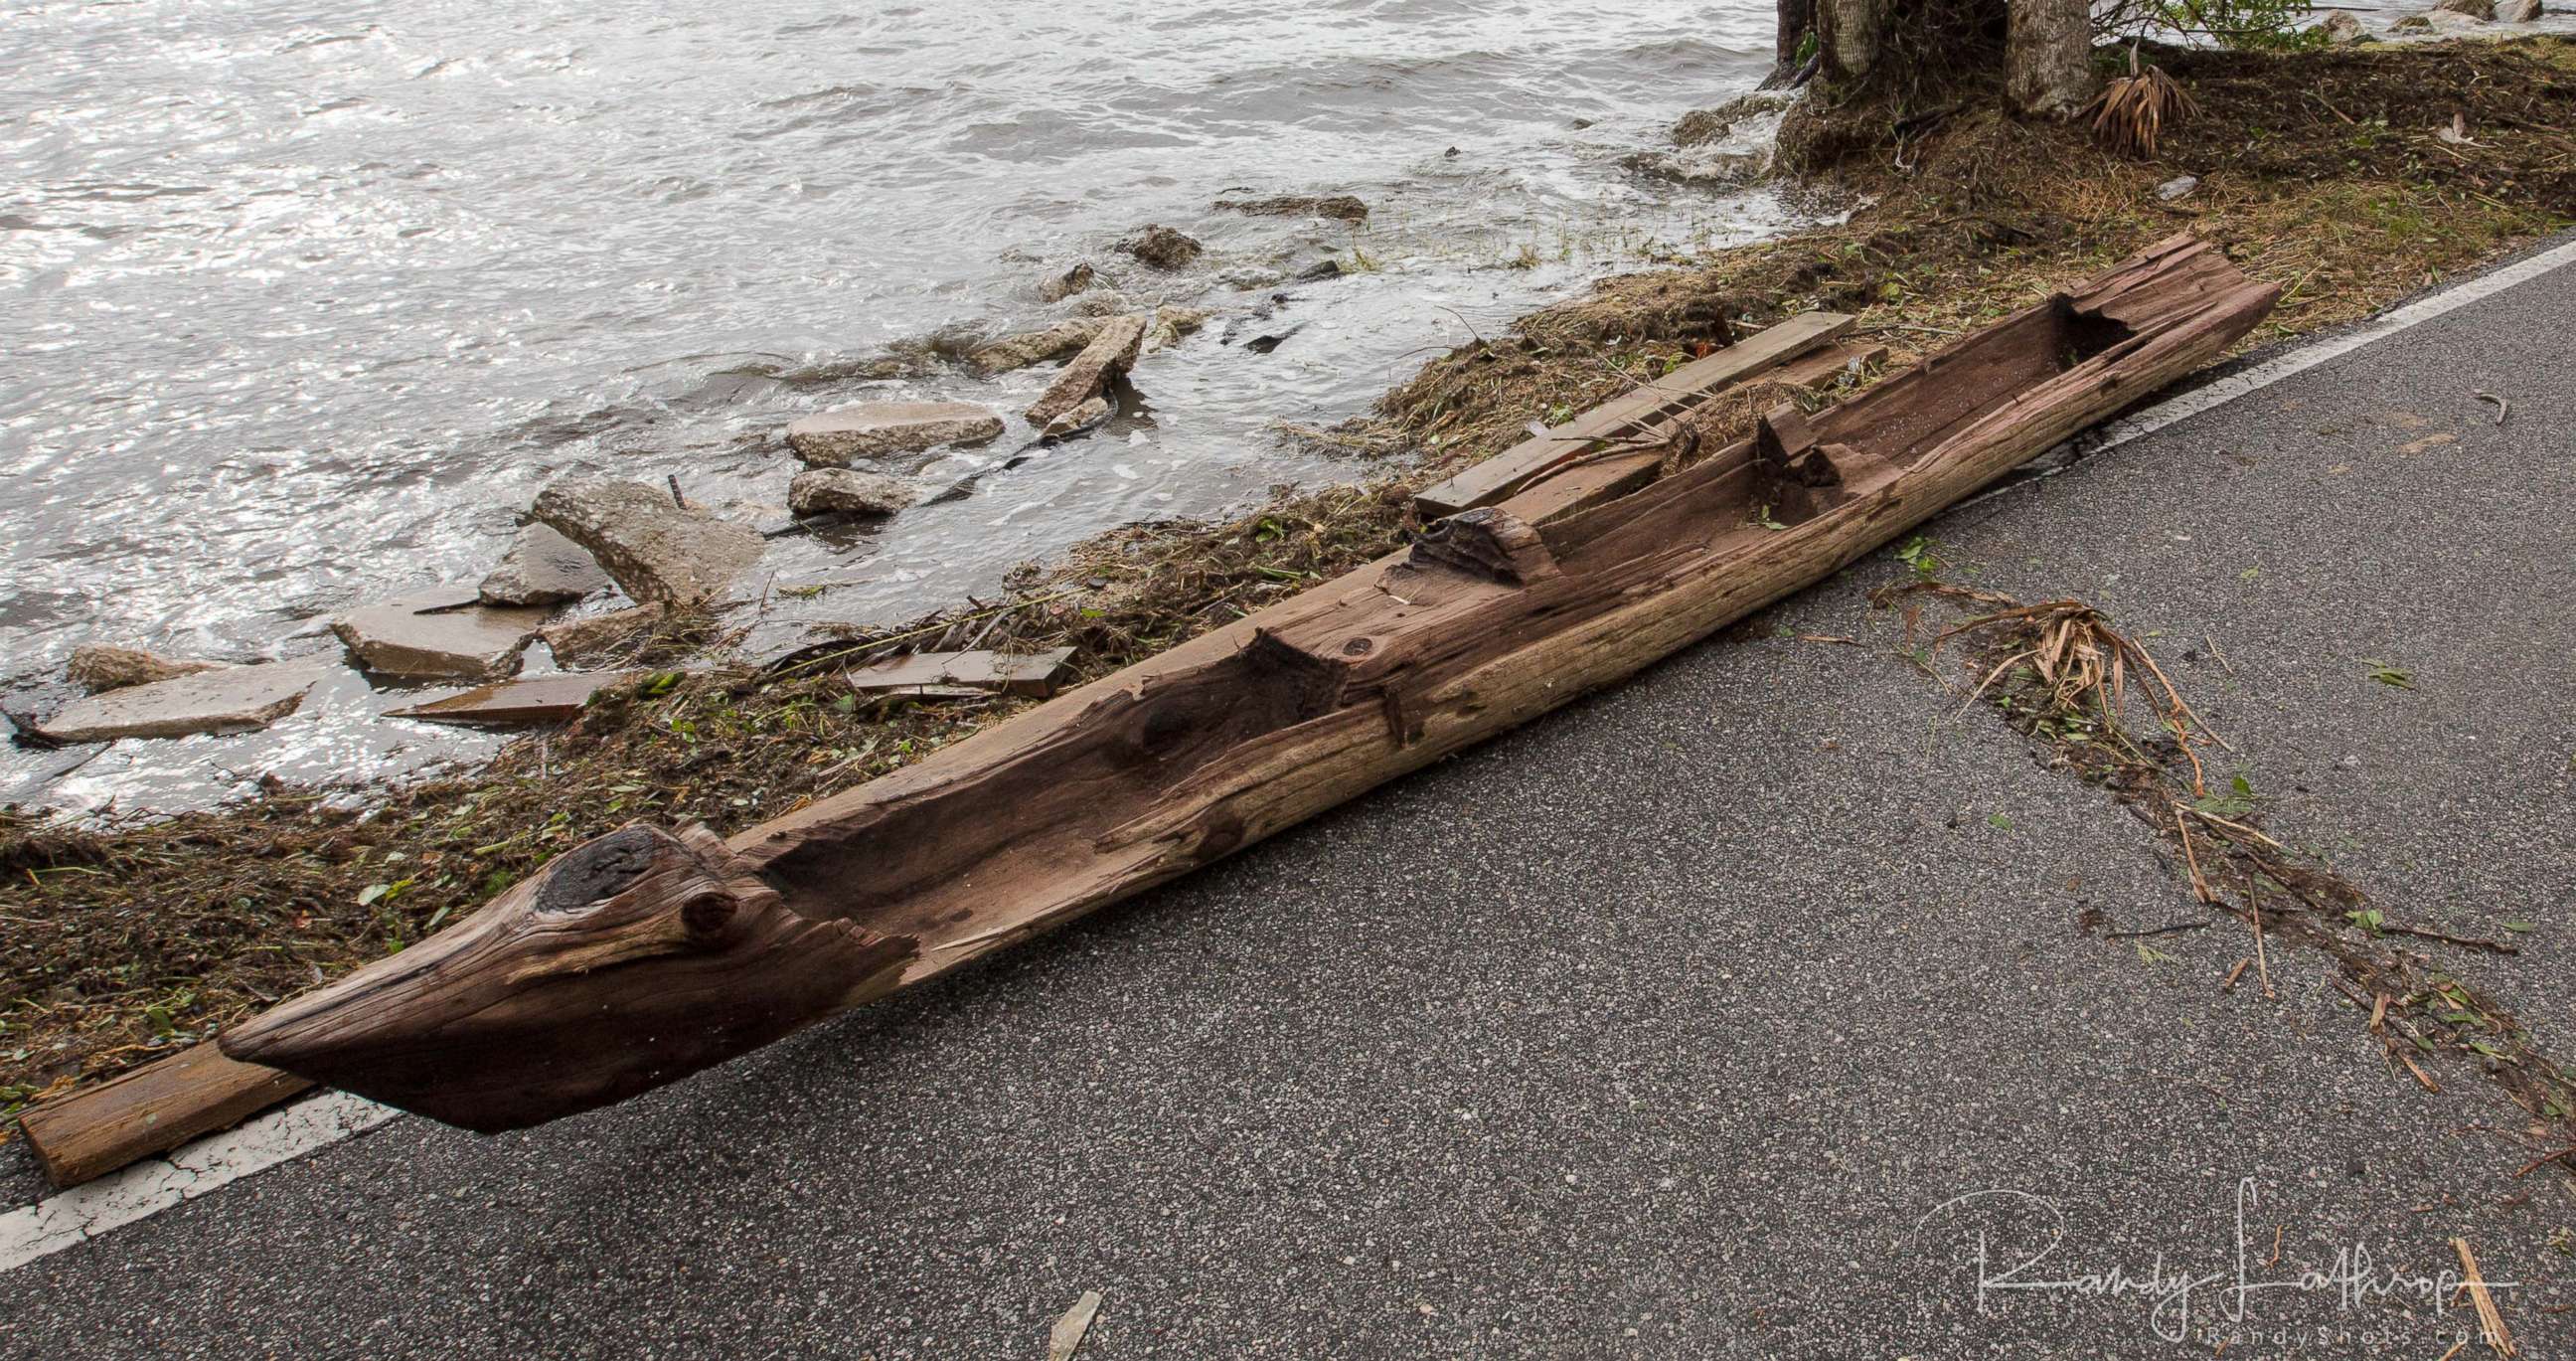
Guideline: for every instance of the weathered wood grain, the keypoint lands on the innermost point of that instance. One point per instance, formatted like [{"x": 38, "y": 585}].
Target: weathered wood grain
[
  {"x": 1643, "y": 416},
  {"x": 151, "y": 1110}
]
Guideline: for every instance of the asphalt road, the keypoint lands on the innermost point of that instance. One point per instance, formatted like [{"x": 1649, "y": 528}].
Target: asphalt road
[{"x": 1720, "y": 1014}]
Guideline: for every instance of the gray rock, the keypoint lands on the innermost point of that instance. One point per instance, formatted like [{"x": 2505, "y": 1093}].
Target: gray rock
[
  {"x": 1035, "y": 347},
  {"x": 1092, "y": 412},
  {"x": 2412, "y": 23},
  {"x": 2454, "y": 21},
  {"x": 835, "y": 439},
  {"x": 1162, "y": 247},
  {"x": 99, "y": 667},
  {"x": 1105, "y": 302},
  {"x": 2340, "y": 28},
  {"x": 542, "y": 568},
  {"x": 1110, "y": 353},
  {"x": 2482, "y": 10},
  {"x": 656, "y": 552},
  {"x": 442, "y": 634},
  {"x": 819, "y": 491},
  {"x": 225, "y": 700},
  {"x": 1067, "y": 284},
  {"x": 2519, "y": 11}
]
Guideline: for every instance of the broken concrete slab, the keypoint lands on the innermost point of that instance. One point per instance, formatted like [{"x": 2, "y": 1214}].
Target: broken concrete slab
[
  {"x": 576, "y": 639},
  {"x": 228, "y": 699},
  {"x": 655, "y": 551},
  {"x": 512, "y": 703},
  {"x": 1035, "y": 347},
  {"x": 446, "y": 633},
  {"x": 835, "y": 439},
  {"x": 101, "y": 667},
  {"x": 1092, "y": 412},
  {"x": 1109, "y": 354},
  {"x": 542, "y": 568},
  {"x": 1034, "y": 674},
  {"x": 822, "y": 491}
]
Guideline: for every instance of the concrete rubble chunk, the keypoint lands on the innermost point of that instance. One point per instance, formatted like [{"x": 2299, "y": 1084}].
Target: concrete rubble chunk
[
  {"x": 655, "y": 551},
  {"x": 1109, "y": 354},
  {"x": 835, "y": 439},
  {"x": 821, "y": 491},
  {"x": 510, "y": 703},
  {"x": 2483, "y": 10},
  {"x": 1162, "y": 247},
  {"x": 228, "y": 699},
  {"x": 1092, "y": 412},
  {"x": 1035, "y": 347},
  {"x": 1067, "y": 284},
  {"x": 1035, "y": 674},
  {"x": 442, "y": 634},
  {"x": 101, "y": 667},
  {"x": 2519, "y": 11},
  {"x": 1339, "y": 207},
  {"x": 1173, "y": 322},
  {"x": 2340, "y": 27},
  {"x": 574, "y": 640},
  {"x": 542, "y": 568}
]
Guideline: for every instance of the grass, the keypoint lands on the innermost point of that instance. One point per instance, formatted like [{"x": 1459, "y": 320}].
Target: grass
[{"x": 2318, "y": 170}]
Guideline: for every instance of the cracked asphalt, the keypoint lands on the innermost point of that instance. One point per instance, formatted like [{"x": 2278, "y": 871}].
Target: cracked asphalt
[{"x": 1733, "y": 1011}]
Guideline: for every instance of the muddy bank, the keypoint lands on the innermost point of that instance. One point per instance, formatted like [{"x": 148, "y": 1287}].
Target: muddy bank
[{"x": 127, "y": 941}]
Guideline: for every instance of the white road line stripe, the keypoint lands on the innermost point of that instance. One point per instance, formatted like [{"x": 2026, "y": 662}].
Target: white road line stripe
[
  {"x": 155, "y": 1184},
  {"x": 147, "y": 1188}
]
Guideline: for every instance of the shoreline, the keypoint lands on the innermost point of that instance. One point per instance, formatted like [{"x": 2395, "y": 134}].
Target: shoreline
[{"x": 169, "y": 931}]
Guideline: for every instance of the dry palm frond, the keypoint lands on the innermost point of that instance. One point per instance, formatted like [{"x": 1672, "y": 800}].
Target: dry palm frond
[
  {"x": 2079, "y": 665},
  {"x": 2132, "y": 110}
]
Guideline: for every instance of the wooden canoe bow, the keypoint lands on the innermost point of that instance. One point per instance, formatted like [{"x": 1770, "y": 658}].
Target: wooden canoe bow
[{"x": 645, "y": 955}]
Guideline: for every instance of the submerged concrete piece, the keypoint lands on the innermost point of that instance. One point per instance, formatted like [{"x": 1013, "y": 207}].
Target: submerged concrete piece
[
  {"x": 542, "y": 568},
  {"x": 527, "y": 700},
  {"x": 818, "y": 491},
  {"x": 836, "y": 438},
  {"x": 445, "y": 633},
  {"x": 1110, "y": 353},
  {"x": 226, "y": 700},
  {"x": 655, "y": 551},
  {"x": 1035, "y": 347}
]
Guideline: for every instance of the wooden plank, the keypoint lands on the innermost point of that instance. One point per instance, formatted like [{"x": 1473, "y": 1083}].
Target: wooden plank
[
  {"x": 529, "y": 699},
  {"x": 151, "y": 1110},
  {"x": 648, "y": 954},
  {"x": 1642, "y": 412},
  {"x": 1604, "y": 477},
  {"x": 941, "y": 673}
]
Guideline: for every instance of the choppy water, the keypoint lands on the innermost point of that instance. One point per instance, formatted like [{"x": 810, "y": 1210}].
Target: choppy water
[{"x": 300, "y": 310}]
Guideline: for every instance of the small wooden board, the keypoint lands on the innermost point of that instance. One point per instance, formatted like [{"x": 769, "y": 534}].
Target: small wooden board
[
  {"x": 1639, "y": 414},
  {"x": 151, "y": 1110},
  {"x": 1583, "y": 485},
  {"x": 946, "y": 673},
  {"x": 529, "y": 699}
]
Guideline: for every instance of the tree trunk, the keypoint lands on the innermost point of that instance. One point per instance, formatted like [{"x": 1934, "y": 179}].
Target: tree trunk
[
  {"x": 2049, "y": 56},
  {"x": 1796, "y": 17},
  {"x": 1851, "y": 33},
  {"x": 643, "y": 956}
]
